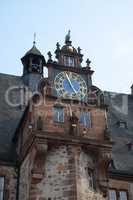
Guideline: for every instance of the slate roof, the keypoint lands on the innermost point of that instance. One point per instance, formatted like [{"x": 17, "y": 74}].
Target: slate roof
[
  {"x": 121, "y": 109},
  {"x": 9, "y": 115}
]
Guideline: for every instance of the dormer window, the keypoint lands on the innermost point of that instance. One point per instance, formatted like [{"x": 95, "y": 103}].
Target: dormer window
[
  {"x": 69, "y": 61},
  {"x": 122, "y": 124}
]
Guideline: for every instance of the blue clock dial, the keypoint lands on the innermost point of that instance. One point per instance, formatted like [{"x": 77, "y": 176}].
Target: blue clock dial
[
  {"x": 68, "y": 88},
  {"x": 70, "y": 85}
]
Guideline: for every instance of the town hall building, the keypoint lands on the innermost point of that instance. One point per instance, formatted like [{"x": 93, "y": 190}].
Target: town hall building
[{"x": 61, "y": 137}]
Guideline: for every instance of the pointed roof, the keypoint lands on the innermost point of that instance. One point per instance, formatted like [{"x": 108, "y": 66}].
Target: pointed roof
[{"x": 34, "y": 51}]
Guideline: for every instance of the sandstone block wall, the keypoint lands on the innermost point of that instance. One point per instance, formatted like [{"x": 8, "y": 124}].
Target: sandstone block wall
[
  {"x": 25, "y": 174},
  {"x": 10, "y": 182},
  {"x": 65, "y": 176}
]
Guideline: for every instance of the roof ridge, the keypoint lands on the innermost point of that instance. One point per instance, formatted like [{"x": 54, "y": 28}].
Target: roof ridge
[
  {"x": 115, "y": 93},
  {"x": 13, "y": 75}
]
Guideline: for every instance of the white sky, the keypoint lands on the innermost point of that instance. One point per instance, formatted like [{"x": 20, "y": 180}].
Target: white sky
[{"x": 102, "y": 28}]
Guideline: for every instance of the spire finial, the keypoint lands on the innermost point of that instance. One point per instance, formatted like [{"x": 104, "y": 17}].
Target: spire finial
[
  {"x": 88, "y": 62},
  {"x": 34, "y": 42}
]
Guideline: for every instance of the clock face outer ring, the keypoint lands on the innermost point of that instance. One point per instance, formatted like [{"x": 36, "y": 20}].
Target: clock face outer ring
[{"x": 70, "y": 85}]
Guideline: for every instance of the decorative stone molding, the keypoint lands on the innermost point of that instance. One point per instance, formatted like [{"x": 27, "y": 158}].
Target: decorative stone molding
[
  {"x": 39, "y": 161},
  {"x": 73, "y": 124},
  {"x": 105, "y": 157}
]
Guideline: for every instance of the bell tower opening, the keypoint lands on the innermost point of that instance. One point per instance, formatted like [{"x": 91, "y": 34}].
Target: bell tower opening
[{"x": 33, "y": 62}]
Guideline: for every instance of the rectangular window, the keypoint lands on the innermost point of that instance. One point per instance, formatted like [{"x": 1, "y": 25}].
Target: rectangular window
[
  {"x": 85, "y": 119},
  {"x": 91, "y": 178},
  {"x": 68, "y": 61},
  {"x": 112, "y": 195},
  {"x": 123, "y": 195},
  {"x": 58, "y": 114},
  {"x": 1, "y": 188}
]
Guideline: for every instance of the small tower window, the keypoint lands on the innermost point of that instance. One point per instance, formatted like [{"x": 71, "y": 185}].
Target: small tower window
[
  {"x": 69, "y": 61},
  {"x": 2, "y": 188},
  {"x": 35, "y": 61},
  {"x": 85, "y": 119},
  {"x": 58, "y": 114}
]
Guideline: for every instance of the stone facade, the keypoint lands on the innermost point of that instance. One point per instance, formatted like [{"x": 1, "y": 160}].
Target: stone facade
[
  {"x": 10, "y": 186},
  {"x": 65, "y": 176},
  {"x": 65, "y": 159},
  {"x": 24, "y": 184}
]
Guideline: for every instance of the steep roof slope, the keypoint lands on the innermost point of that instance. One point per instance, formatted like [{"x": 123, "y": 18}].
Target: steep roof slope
[
  {"x": 121, "y": 110},
  {"x": 9, "y": 115}
]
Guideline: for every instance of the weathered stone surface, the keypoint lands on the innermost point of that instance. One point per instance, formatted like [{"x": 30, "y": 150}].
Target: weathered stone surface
[
  {"x": 10, "y": 182},
  {"x": 24, "y": 187}
]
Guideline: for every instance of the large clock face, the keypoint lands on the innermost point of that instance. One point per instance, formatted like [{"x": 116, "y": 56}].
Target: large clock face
[{"x": 70, "y": 85}]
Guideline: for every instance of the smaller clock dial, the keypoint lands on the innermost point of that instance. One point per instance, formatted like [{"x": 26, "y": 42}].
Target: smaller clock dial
[{"x": 70, "y": 84}]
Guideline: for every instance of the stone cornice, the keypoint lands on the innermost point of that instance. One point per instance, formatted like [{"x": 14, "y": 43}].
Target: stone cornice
[{"x": 81, "y": 70}]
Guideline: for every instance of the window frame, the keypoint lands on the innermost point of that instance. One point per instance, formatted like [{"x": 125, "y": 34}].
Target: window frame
[
  {"x": 67, "y": 61},
  {"x": 122, "y": 190},
  {"x": 58, "y": 121},
  {"x": 118, "y": 193},
  {"x": 87, "y": 116}
]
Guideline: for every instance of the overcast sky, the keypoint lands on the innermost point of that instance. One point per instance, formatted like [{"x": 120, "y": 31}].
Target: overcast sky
[{"x": 102, "y": 28}]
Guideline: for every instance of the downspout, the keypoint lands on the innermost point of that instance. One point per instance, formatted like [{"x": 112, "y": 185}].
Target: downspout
[{"x": 18, "y": 180}]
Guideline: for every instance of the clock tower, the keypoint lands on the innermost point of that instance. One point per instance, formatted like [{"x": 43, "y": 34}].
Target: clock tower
[
  {"x": 64, "y": 145},
  {"x": 69, "y": 79}
]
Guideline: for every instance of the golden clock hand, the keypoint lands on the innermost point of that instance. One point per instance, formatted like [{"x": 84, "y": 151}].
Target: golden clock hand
[{"x": 70, "y": 83}]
